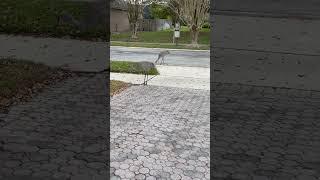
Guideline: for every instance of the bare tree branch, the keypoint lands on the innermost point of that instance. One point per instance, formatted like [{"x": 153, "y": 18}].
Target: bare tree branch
[
  {"x": 192, "y": 12},
  {"x": 135, "y": 10}
]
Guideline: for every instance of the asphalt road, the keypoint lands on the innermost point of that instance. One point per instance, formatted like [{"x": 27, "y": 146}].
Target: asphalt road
[{"x": 190, "y": 58}]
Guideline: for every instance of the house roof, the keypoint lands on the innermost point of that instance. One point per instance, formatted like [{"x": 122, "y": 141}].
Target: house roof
[{"x": 119, "y": 4}]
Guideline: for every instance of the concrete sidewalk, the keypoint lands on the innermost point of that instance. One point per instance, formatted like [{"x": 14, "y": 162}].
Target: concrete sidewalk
[
  {"x": 267, "y": 69},
  {"x": 267, "y": 34},
  {"x": 75, "y": 55},
  {"x": 171, "y": 76}
]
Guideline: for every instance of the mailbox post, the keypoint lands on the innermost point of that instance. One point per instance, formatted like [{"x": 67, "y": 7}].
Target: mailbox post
[{"x": 177, "y": 33}]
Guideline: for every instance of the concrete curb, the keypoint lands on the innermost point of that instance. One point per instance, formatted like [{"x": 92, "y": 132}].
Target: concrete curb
[{"x": 165, "y": 48}]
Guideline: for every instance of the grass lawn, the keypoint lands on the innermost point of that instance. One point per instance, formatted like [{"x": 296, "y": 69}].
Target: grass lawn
[
  {"x": 158, "y": 45},
  {"x": 130, "y": 67},
  {"x": 162, "y": 38},
  {"x": 20, "y": 79},
  {"x": 117, "y": 86},
  {"x": 40, "y": 17}
]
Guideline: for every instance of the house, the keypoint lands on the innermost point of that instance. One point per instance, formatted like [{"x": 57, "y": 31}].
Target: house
[{"x": 119, "y": 17}]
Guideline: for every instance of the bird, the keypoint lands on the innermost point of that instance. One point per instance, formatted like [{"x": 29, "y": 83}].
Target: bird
[{"x": 162, "y": 54}]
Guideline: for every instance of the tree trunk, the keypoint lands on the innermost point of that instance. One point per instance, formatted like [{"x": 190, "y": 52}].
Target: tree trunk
[
  {"x": 194, "y": 36},
  {"x": 173, "y": 38},
  {"x": 134, "y": 29}
]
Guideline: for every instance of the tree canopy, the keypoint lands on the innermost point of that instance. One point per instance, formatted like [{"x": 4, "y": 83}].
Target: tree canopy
[{"x": 159, "y": 11}]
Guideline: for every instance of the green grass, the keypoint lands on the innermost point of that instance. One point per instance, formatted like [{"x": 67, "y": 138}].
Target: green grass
[
  {"x": 117, "y": 86},
  {"x": 130, "y": 67},
  {"x": 39, "y": 17},
  {"x": 163, "y": 37}
]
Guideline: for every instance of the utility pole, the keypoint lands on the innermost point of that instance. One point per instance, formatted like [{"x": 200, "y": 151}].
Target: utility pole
[{"x": 177, "y": 33}]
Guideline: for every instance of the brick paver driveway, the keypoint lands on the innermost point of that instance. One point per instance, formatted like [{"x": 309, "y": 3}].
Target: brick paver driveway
[
  {"x": 59, "y": 134},
  {"x": 160, "y": 133},
  {"x": 265, "y": 133}
]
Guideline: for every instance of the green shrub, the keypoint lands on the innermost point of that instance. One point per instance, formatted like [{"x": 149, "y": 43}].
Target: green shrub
[
  {"x": 40, "y": 17},
  {"x": 206, "y": 25}
]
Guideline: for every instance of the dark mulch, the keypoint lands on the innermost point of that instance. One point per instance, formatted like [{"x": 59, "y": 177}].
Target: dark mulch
[
  {"x": 20, "y": 80},
  {"x": 117, "y": 86}
]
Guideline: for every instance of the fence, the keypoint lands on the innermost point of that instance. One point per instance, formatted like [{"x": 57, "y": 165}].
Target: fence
[{"x": 154, "y": 24}]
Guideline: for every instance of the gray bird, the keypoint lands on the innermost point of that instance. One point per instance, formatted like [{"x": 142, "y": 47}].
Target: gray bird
[{"x": 162, "y": 54}]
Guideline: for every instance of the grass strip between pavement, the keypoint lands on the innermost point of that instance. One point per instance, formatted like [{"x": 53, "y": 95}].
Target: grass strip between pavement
[{"x": 130, "y": 67}]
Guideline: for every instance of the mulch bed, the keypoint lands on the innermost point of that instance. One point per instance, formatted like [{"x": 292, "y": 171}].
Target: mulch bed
[
  {"x": 117, "y": 87},
  {"x": 20, "y": 80}
]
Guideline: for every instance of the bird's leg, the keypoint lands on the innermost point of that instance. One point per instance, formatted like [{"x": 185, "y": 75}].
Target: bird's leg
[
  {"x": 147, "y": 79},
  {"x": 163, "y": 61},
  {"x": 157, "y": 59}
]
